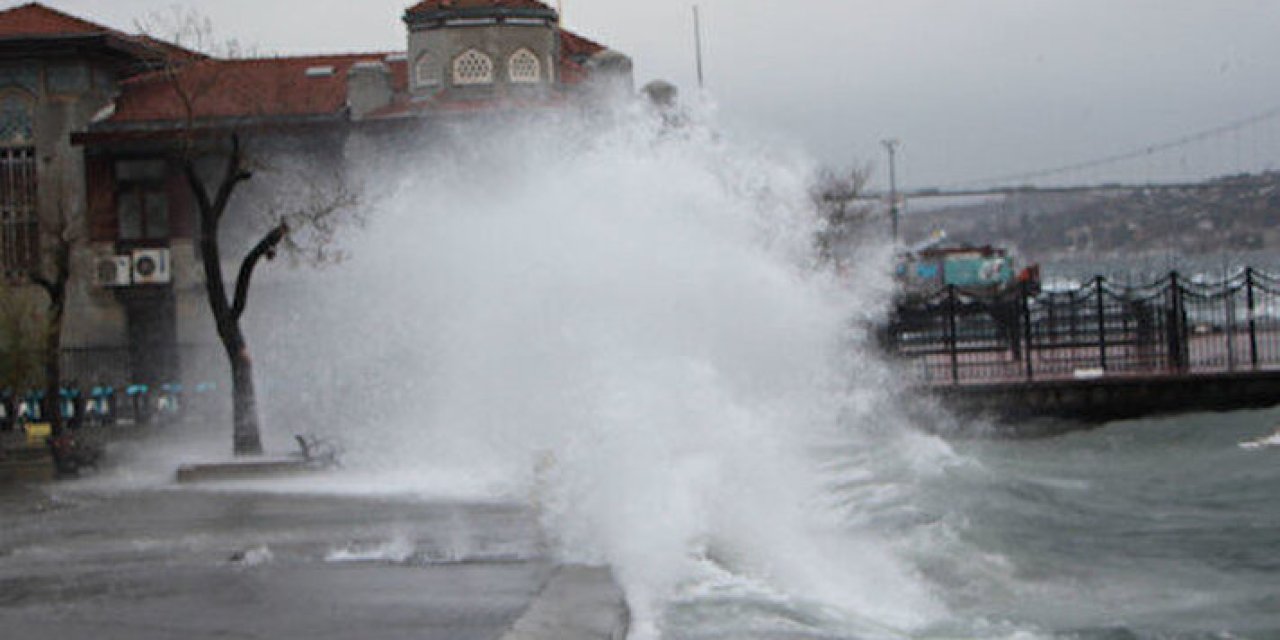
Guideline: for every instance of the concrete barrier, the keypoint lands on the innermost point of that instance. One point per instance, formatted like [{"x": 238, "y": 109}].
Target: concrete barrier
[
  {"x": 1083, "y": 403},
  {"x": 578, "y": 603},
  {"x": 244, "y": 469}
]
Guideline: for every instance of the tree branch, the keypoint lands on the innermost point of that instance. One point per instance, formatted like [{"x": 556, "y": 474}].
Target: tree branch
[
  {"x": 234, "y": 174},
  {"x": 209, "y": 255},
  {"x": 196, "y": 184},
  {"x": 265, "y": 247},
  {"x": 56, "y": 286},
  {"x": 44, "y": 283}
]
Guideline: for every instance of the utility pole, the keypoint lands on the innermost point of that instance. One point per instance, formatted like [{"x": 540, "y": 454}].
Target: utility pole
[
  {"x": 697, "y": 43},
  {"x": 891, "y": 145}
]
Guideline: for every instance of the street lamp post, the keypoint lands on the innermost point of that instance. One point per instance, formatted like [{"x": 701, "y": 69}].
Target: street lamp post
[
  {"x": 891, "y": 146},
  {"x": 697, "y": 43}
]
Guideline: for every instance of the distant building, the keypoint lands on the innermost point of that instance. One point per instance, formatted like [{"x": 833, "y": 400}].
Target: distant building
[{"x": 91, "y": 122}]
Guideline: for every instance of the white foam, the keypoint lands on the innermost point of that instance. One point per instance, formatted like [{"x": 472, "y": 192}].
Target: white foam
[
  {"x": 396, "y": 550},
  {"x": 626, "y": 323}
]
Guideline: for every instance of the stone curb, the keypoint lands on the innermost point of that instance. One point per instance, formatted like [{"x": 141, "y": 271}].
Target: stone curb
[
  {"x": 243, "y": 470},
  {"x": 577, "y": 603}
]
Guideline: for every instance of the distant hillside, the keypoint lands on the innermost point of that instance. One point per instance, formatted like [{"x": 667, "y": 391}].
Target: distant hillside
[{"x": 1237, "y": 213}]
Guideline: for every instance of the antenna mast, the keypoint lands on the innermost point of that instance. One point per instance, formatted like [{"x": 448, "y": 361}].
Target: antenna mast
[
  {"x": 891, "y": 145},
  {"x": 697, "y": 43}
]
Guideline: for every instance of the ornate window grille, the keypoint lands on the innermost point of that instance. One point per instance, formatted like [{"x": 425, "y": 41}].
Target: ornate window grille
[
  {"x": 472, "y": 68},
  {"x": 523, "y": 67},
  {"x": 15, "y": 120},
  {"x": 19, "y": 210},
  {"x": 425, "y": 71}
]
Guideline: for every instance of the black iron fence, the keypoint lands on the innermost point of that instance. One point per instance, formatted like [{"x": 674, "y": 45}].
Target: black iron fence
[{"x": 1176, "y": 325}]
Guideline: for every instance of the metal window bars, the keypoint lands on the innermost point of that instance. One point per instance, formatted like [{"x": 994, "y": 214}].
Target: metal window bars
[{"x": 19, "y": 213}]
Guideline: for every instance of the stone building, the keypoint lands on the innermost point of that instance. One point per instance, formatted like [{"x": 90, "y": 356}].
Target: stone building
[{"x": 92, "y": 121}]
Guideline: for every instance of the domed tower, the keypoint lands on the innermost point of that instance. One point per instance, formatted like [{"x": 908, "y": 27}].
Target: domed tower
[{"x": 480, "y": 48}]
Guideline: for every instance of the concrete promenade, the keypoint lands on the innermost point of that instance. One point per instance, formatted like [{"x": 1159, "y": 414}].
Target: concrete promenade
[{"x": 199, "y": 563}]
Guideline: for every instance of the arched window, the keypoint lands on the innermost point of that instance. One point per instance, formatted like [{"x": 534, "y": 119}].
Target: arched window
[
  {"x": 523, "y": 67},
  {"x": 426, "y": 73},
  {"x": 15, "y": 119},
  {"x": 472, "y": 67}
]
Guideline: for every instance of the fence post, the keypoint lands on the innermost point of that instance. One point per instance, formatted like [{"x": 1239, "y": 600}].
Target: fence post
[
  {"x": 1052, "y": 307},
  {"x": 1175, "y": 325},
  {"x": 1102, "y": 325},
  {"x": 951, "y": 333},
  {"x": 1026, "y": 329},
  {"x": 1253, "y": 322}
]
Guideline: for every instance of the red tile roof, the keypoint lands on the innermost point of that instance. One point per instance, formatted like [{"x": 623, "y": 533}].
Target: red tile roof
[
  {"x": 444, "y": 5},
  {"x": 35, "y": 19},
  {"x": 575, "y": 46},
  {"x": 282, "y": 87},
  {"x": 167, "y": 50},
  {"x": 571, "y": 72},
  {"x": 296, "y": 87}
]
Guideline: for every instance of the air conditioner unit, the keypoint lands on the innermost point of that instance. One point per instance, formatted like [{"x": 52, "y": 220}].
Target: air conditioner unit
[
  {"x": 151, "y": 266},
  {"x": 114, "y": 271}
]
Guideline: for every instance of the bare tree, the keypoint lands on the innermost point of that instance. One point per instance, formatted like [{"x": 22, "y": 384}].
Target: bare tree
[
  {"x": 837, "y": 196},
  {"x": 52, "y": 276},
  {"x": 305, "y": 225},
  {"x": 307, "y": 230}
]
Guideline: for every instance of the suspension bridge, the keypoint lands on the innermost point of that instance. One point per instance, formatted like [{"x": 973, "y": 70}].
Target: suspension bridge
[{"x": 1248, "y": 145}]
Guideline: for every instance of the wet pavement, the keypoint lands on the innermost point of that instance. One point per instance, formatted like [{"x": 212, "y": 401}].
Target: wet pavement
[{"x": 204, "y": 564}]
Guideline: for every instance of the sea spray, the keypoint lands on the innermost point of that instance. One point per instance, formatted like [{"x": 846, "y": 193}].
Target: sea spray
[{"x": 624, "y": 322}]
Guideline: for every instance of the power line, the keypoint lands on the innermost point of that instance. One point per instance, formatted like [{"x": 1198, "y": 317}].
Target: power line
[{"x": 1149, "y": 150}]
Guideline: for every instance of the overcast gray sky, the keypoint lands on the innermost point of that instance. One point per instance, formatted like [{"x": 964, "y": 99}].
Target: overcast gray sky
[{"x": 972, "y": 87}]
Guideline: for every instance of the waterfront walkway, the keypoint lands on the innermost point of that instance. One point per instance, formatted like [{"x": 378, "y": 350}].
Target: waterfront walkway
[{"x": 206, "y": 564}]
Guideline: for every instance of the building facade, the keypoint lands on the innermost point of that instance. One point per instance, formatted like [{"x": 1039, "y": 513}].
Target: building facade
[{"x": 94, "y": 122}]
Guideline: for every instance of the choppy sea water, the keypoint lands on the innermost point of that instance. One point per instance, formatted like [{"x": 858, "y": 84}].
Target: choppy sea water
[{"x": 1159, "y": 528}]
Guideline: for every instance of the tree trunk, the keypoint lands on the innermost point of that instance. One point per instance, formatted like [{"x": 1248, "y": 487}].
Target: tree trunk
[
  {"x": 53, "y": 368},
  {"x": 56, "y": 289},
  {"x": 246, "y": 436},
  {"x": 244, "y": 399},
  {"x": 246, "y": 439}
]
